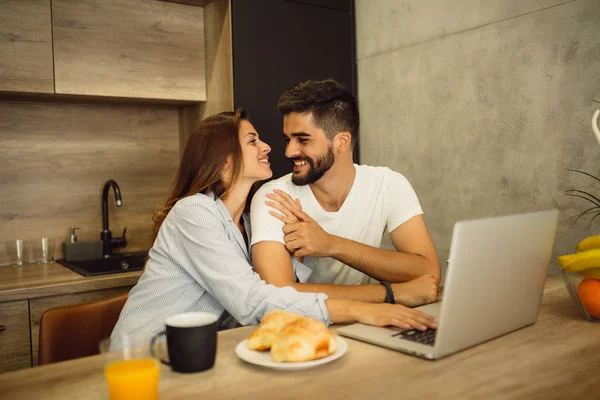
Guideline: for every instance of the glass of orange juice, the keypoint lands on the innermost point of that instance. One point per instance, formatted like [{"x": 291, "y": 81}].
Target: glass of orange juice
[{"x": 130, "y": 369}]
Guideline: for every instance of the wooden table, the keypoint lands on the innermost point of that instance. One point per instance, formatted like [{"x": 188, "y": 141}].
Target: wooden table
[{"x": 557, "y": 358}]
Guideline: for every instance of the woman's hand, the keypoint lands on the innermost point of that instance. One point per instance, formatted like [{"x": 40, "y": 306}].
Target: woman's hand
[
  {"x": 393, "y": 315},
  {"x": 283, "y": 203},
  {"x": 303, "y": 235}
]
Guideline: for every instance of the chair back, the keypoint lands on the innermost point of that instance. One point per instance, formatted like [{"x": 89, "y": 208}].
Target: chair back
[{"x": 74, "y": 331}]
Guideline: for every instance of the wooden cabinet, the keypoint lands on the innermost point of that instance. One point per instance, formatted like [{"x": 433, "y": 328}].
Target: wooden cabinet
[
  {"x": 119, "y": 48},
  {"x": 143, "y": 49},
  {"x": 39, "y": 305},
  {"x": 26, "y": 46},
  {"x": 15, "y": 351}
]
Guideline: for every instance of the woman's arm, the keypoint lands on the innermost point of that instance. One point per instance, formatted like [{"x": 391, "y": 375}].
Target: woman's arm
[
  {"x": 198, "y": 236},
  {"x": 343, "y": 311},
  {"x": 199, "y": 239}
]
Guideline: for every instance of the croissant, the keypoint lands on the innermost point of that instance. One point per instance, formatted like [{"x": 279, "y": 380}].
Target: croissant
[
  {"x": 304, "y": 339},
  {"x": 292, "y": 338},
  {"x": 273, "y": 321}
]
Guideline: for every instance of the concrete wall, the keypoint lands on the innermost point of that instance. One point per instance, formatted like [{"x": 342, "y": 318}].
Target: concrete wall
[{"x": 482, "y": 104}]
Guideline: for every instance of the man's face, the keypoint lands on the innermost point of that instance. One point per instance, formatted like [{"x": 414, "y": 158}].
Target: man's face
[{"x": 308, "y": 148}]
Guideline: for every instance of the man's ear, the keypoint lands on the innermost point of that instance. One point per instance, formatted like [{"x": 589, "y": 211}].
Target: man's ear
[{"x": 342, "y": 141}]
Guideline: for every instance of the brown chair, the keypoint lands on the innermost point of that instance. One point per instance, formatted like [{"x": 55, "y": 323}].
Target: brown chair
[{"x": 74, "y": 331}]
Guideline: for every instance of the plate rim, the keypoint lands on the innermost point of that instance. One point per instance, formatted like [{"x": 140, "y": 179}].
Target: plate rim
[{"x": 342, "y": 349}]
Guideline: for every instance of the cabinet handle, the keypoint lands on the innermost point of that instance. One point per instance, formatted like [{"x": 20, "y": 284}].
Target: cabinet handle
[{"x": 2, "y": 328}]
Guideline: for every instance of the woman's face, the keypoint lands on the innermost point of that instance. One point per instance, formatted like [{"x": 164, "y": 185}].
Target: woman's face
[{"x": 254, "y": 152}]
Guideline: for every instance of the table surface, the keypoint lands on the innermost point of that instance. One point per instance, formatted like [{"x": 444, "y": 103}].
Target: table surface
[
  {"x": 39, "y": 280},
  {"x": 556, "y": 358}
]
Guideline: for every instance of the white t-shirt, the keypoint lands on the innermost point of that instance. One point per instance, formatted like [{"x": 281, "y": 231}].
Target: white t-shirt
[{"x": 379, "y": 198}]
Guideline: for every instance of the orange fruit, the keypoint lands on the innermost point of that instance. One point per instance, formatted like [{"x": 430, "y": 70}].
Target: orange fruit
[{"x": 589, "y": 293}]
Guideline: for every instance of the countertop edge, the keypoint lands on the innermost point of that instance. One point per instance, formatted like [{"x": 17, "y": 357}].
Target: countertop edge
[{"x": 85, "y": 284}]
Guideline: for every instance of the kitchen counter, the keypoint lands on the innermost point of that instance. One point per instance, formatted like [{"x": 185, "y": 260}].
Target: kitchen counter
[{"x": 38, "y": 280}]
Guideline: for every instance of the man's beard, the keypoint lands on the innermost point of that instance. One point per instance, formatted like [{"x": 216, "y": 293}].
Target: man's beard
[{"x": 316, "y": 169}]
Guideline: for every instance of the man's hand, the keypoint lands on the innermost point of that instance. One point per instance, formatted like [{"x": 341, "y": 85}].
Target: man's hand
[
  {"x": 418, "y": 292},
  {"x": 306, "y": 237},
  {"x": 303, "y": 235}
]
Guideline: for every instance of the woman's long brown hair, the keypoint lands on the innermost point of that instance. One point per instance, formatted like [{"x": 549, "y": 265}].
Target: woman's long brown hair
[{"x": 206, "y": 152}]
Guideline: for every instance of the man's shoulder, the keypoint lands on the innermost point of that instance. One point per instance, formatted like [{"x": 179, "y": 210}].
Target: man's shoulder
[
  {"x": 371, "y": 172},
  {"x": 284, "y": 183}
]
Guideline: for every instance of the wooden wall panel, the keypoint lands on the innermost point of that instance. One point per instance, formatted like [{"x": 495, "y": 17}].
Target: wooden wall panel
[
  {"x": 26, "y": 46},
  {"x": 55, "y": 159},
  {"x": 219, "y": 69},
  {"x": 143, "y": 49}
]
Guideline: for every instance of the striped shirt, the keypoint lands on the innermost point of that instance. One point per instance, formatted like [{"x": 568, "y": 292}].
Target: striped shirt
[{"x": 200, "y": 262}]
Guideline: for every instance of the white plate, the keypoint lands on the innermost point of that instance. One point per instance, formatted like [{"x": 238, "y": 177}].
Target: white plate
[{"x": 263, "y": 358}]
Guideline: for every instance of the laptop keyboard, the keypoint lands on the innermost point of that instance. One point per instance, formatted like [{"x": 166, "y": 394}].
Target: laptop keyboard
[{"x": 424, "y": 337}]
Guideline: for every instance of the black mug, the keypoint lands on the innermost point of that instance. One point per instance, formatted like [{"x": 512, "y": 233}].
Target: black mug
[{"x": 191, "y": 340}]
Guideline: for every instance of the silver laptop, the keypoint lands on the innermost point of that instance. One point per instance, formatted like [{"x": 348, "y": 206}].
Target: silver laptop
[{"x": 494, "y": 285}]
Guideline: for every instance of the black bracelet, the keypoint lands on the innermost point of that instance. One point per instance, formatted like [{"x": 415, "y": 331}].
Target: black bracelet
[{"x": 389, "y": 295}]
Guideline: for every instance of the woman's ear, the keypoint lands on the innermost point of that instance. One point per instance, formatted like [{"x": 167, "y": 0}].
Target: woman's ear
[
  {"x": 228, "y": 164},
  {"x": 342, "y": 141},
  {"x": 227, "y": 170}
]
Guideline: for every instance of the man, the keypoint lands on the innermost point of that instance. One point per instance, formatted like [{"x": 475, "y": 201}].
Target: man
[{"x": 346, "y": 209}]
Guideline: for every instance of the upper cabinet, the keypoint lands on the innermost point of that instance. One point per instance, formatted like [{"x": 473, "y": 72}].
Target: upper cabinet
[
  {"x": 119, "y": 48},
  {"x": 26, "y": 46}
]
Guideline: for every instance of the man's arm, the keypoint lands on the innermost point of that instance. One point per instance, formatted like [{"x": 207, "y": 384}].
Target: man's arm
[
  {"x": 273, "y": 263},
  {"x": 415, "y": 255}
]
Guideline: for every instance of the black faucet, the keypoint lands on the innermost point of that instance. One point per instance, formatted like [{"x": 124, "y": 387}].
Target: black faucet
[{"x": 108, "y": 243}]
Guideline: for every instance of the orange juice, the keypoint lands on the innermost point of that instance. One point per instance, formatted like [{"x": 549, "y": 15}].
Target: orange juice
[{"x": 133, "y": 379}]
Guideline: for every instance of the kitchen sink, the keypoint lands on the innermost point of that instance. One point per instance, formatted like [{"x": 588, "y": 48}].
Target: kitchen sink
[{"x": 120, "y": 262}]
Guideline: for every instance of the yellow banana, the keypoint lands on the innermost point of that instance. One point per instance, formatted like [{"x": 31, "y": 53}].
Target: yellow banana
[
  {"x": 593, "y": 242},
  {"x": 563, "y": 261},
  {"x": 580, "y": 261}
]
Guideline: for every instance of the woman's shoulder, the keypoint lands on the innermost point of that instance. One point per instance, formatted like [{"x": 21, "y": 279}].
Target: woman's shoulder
[
  {"x": 198, "y": 203},
  {"x": 198, "y": 211}
]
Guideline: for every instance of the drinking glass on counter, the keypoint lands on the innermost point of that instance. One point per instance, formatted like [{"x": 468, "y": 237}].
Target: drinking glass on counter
[
  {"x": 131, "y": 371},
  {"x": 42, "y": 250},
  {"x": 4, "y": 256},
  {"x": 16, "y": 252}
]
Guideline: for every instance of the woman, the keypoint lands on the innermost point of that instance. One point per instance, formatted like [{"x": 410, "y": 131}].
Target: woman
[{"x": 200, "y": 261}]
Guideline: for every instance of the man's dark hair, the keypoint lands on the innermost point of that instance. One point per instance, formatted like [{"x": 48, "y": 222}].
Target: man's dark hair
[{"x": 333, "y": 106}]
